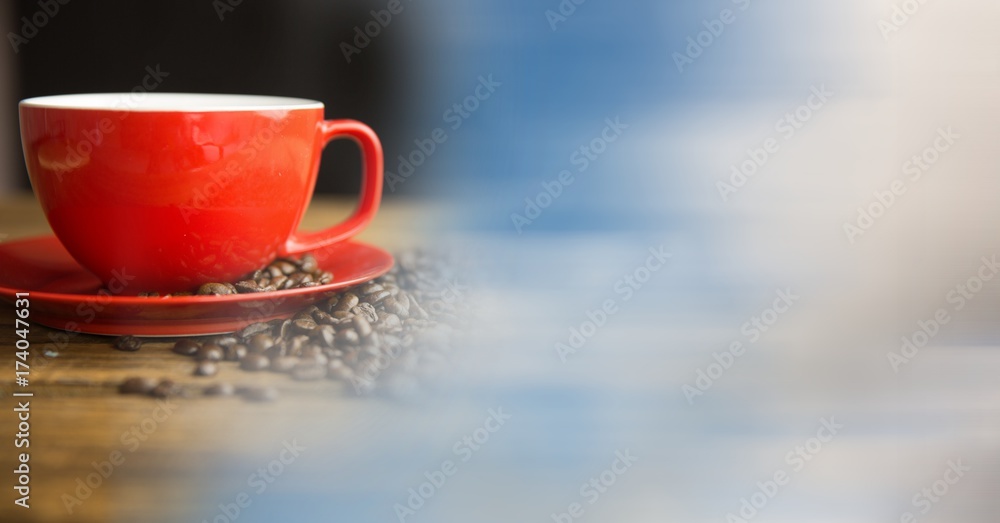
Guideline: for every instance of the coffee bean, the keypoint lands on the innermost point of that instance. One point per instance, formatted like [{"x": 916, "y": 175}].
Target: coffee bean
[
  {"x": 128, "y": 343},
  {"x": 217, "y": 289},
  {"x": 299, "y": 279},
  {"x": 366, "y": 310},
  {"x": 347, "y": 302},
  {"x": 284, "y": 364},
  {"x": 286, "y": 267},
  {"x": 331, "y": 303},
  {"x": 342, "y": 315},
  {"x": 377, "y": 297},
  {"x": 316, "y": 358},
  {"x": 260, "y": 342},
  {"x": 165, "y": 388},
  {"x": 276, "y": 351},
  {"x": 309, "y": 372},
  {"x": 236, "y": 352},
  {"x": 255, "y": 362},
  {"x": 254, "y": 328},
  {"x": 297, "y": 343},
  {"x": 362, "y": 326},
  {"x": 137, "y": 386},
  {"x": 220, "y": 389},
  {"x": 370, "y": 288},
  {"x": 210, "y": 352},
  {"x": 304, "y": 325},
  {"x": 148, "y": 295},
  {"x": 347, "y": 336},
  {"x": 278, "y": 281},
  {"x": 396, "y": 306},
  {"x": 247, "y": 287},
  {"x": 325, "y": 334},
  {"x": 311, "y": 350},
  {"x": 206, "y": 368},
  {"x": 259, "y": 394},
  {"x": 310, "y": 310},
  {"x": 308, "y": 263},
  {"x": 285, "y": 329},
  {"x": 324, "y": 278},
  {"x": 324, "y": 318},
  {"x": 296, "y": 279},
  {"x": 225, "y": 340},
  {"x": 274, "y": 271},
  {"x": 186, "y": 347},
  {"x": 389, "y": 322}
]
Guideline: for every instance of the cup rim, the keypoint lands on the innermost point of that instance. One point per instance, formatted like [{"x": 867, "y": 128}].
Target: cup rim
[{"x": 169, "y": 102}]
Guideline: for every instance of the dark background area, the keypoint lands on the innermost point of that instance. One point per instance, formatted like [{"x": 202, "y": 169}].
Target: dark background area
[{"x": 286, "y": 48}]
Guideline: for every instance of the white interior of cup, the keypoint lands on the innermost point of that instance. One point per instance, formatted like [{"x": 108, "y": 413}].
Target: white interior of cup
[{"x": 170, "y": 102}]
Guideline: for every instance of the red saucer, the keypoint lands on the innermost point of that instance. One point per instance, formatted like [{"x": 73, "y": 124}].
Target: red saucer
[{"x": 64, "y": 295}]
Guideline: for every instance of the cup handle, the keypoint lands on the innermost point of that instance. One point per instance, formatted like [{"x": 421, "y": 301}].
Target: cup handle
[{"x": 371, "y": 188}]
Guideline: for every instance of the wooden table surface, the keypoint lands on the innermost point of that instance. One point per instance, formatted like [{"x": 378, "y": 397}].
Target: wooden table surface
[{"x": 79, "y": 423}]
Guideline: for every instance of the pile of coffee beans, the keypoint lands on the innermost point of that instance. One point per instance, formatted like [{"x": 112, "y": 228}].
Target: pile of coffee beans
[
  {"x": 391, "y": 334},
  {"x": 281, "y": 274}
]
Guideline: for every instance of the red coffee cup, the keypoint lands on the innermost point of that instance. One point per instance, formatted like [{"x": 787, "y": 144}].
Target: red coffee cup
[{"x": 175, "y": 190}]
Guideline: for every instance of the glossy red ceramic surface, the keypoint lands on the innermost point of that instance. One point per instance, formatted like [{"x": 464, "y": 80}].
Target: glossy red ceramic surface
[
  {"x": 180, "y": 197},
  {"x": 65, "y": 296}
]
